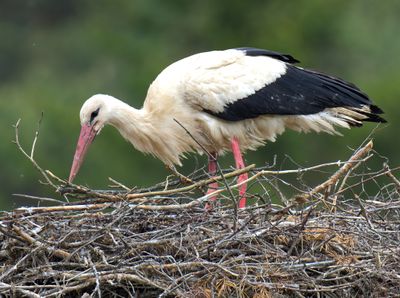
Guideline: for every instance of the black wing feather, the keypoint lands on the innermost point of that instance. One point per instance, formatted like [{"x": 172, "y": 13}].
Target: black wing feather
[
  {"x": 299, "y": 92},
  {"x": 260, "y": 52}
]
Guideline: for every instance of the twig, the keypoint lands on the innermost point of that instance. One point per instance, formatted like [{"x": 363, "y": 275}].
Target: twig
[
  {"x": 16, "y": 141},
  {"x": 36, "y": 136},
  {"x": 344, "y": 180},
  {"x": 19, "y": 290},
  {"x": 119, "y": 184},
  {"x": 384, "y": 173},
  {"x": 62, "y": 181},
  {"x": 57, "y": 252},
  {"x": 16, "y": 265},
  {"x": 38, "y": 198},
  {"x": 364, "y": 212},
  {"x": 391, "y": 176},
  {"x": 300, "y": 230},
  {"x": 181, "y": 177},
  {"x": 22, "y": 211},
  {"x": 218, "y": 167},
  {"x": 342, "y": 171},
  {"x": 90, "y": 279}
]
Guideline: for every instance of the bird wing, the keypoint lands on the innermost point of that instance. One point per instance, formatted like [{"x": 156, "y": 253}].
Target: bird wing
[
  {"x": 251, "y": 82},
  {"x": 260, "y": 52}
]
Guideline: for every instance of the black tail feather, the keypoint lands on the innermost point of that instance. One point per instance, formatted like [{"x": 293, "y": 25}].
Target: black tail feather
[{"x": 375, "y": 109}]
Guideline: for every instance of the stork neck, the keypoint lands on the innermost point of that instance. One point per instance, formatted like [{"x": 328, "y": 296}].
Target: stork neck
[
  {"x": 129, "y": 120},
  {"x": 150, "y": 131},
  {"x": 135, "y": 125}
]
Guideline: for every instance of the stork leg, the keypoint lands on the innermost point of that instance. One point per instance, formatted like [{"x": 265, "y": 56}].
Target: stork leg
[
  {"x": 212, "y": 170},
  {"x": 239, "y": 165}
]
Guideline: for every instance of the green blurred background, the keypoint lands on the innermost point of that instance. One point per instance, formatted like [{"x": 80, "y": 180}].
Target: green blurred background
[{"x": 56, "y": 54}]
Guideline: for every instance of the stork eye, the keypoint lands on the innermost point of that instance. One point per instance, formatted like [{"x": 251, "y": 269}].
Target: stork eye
[{"x": 94, "y": 115}]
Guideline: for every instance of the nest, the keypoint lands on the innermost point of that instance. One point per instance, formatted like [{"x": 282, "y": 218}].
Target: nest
[{"x": 340, "y": 238}]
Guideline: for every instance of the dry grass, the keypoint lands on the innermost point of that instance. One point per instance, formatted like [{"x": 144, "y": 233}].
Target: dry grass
[{"x": 340, "y": 238}]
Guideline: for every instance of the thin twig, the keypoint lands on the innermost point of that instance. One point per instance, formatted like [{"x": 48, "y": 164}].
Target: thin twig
[
  {"x": 38, "y": 198},
  {"x": 57, "y": 252},
  {"x": 22, "y": 211},
  {"x": 393, "y": 177},
  {"x": 119, "y": 184},
  {"x": 23, "y": 292},
  {"x": 36, "y": 136},
  {"x": 342, "y": 171},
  {"x": 232, "y": 197},
  {"x": 16, "y": 141}
]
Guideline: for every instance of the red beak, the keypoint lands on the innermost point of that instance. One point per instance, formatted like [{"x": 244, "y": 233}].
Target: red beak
[{"x": 86, "y": 137}]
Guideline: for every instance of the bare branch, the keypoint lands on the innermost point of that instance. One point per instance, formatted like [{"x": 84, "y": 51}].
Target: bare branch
[
  {"x": 17, "y": 142},
  {"x": 36, "y": 136},
  {"x": 359, "y": 154}
]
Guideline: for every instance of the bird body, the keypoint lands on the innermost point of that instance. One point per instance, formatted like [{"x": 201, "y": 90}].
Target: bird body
[{"x": 205, "y": 101}]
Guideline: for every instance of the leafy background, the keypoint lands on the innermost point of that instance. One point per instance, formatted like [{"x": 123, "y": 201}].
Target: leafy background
[{"x": 56, "y": 54}]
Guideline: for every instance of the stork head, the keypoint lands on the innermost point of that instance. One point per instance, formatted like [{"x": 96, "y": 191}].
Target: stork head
[{"x": 94, "y": 115}]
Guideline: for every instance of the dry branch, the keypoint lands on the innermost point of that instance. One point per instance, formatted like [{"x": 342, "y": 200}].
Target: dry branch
[
  {"x": 353, "y": 161},
  {"x": 30, "y": 156}
]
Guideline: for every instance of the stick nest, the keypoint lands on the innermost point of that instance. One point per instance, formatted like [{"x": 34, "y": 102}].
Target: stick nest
[{"x": 340, "y": 238}]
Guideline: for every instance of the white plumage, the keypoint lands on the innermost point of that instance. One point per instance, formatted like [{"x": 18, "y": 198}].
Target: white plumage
[{"x": 237, "y": 97}]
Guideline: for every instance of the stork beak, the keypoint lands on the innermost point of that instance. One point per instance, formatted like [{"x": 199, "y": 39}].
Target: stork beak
[{"x": 86, "y": 137}]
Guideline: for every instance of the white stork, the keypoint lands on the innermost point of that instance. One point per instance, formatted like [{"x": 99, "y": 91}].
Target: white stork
[{"x": 234, "y": 100}]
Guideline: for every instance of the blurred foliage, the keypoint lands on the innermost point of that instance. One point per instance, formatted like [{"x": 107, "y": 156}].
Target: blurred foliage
[{"x": 55, "y": 54}]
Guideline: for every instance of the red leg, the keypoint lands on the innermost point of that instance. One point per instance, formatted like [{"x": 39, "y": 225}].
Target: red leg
[
  {"x": 212, "y": 170},
  {"x": 239, "y": 165}
]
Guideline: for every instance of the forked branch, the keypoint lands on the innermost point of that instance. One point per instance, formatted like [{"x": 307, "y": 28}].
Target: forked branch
[{"x": 30, "y": 156}]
